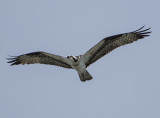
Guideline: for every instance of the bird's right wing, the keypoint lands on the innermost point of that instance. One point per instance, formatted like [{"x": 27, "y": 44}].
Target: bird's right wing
[{"x": 41, "y": 58}]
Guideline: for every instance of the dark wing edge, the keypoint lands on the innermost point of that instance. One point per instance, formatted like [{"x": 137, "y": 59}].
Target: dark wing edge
[
  {"x": 39, "y": 57},
  {"x": 110, "y": 43}
]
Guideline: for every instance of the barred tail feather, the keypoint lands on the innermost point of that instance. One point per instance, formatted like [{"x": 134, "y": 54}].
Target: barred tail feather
[{"x": 85, "y": 76}]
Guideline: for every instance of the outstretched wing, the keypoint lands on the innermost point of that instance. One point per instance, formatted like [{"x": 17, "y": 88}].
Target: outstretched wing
[
  {"x": 40, "y": 57},
  {"x": 108, "y": 44}
]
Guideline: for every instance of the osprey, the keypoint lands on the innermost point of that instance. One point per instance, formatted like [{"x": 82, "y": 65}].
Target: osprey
[{"x": 80, "y": 63}]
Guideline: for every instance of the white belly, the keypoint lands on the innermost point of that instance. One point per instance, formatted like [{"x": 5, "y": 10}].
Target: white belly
[{"x": 80, "y": 68}]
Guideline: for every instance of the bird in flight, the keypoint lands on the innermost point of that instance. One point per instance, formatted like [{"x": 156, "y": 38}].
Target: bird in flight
[{"x": 81, "y": 62}]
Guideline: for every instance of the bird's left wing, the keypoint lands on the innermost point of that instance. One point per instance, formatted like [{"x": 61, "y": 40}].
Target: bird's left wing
[
  {"x": 41, "y": 58},
  {"x": 110, "y": 43}
]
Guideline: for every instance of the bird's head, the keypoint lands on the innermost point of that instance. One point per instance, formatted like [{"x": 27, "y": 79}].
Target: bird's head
[{"x": 74, "y": 58}]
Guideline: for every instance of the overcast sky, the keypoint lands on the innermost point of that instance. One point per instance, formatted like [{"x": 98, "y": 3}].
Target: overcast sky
[{"x": 126, "y": 82}]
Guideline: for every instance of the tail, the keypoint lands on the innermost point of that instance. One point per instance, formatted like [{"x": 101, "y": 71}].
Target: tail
[{"x": 85, "y": 76}]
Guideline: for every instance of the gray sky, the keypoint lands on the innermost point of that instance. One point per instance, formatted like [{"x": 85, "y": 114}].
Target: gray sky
[{"x": 125, "y": 82}]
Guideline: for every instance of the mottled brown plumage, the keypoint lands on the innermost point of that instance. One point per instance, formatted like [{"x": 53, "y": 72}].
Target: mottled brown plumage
[
  {"x": 41, "y": 58},
  {"x": 110, "y": 43},
  {"x": 80, "y": 63}
]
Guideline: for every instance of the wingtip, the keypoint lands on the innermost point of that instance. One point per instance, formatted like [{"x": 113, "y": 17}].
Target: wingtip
[
  {"x": 144, "y": 32},
  {"x": 12, "y": 60},
  {"x": 140, "y": 28}
]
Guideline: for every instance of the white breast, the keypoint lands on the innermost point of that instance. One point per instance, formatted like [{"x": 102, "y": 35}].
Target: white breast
[{"x": 79, "y": 66}]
